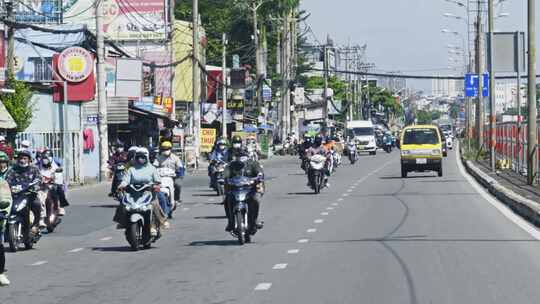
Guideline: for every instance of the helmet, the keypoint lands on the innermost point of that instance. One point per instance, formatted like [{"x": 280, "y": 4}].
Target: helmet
[
  {"x": 131, "y": 152},
  {"x": 24, "y": 152},
  {"x": 318, "y": 140},
  {"x": 3, "y": 157},
  {"x": 25, "y": 143},
  {"x": 236, "y": 139},
  {"x": 2, "y": 138},
  {"x": 221, "y": 141},
  {"x": 142, "y": 153},
  {"x": 166, "y": 145}
]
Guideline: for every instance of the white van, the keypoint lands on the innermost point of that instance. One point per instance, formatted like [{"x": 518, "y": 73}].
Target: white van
[{"x": 363, "y": 132}]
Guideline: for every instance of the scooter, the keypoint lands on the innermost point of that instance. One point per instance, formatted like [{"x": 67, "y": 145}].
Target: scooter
[
  {"x": 21, "y": 219},
  {"x": 137, "y": 201},
  {"x": 316, "y": 172},
  {"x": 241, "y": 189},
  {"x": 352, "y": 152},
  {"x": 167, "y": 176},
  {"x": 217, "y": 170},
  {"x": 52, "y": 205}
]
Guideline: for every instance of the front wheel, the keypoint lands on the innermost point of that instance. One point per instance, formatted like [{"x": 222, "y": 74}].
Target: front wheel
[
  {"x": 403, "y": 172},
  {"x": 13, "y": 236},
  {"x": 133, "y": 235},
  {"x": 240, "y": 228},
  {"x": 440, "y": 171},
  {"x": 219, "y": 189}
]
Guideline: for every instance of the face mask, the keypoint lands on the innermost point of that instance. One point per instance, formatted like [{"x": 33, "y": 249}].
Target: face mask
[
  {"x": 167, "y": 152},
  {"x": 46, "y": 161},
  {"x": 237, "y": 146},
  {"x": 221, "y": 147},
  {"x": 3, "y": 167},
  {"x": 120, "y": 150},
  {"x": 141, "y": 160}
]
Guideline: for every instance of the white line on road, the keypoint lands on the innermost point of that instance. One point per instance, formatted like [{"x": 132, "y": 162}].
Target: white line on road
[
  {"x": 107, "y": 238},
  {"x": 508, "y": 213},
  {"x": 324, "y": 213},
  {"x": 76, "y": 250},
  {"x": 345, "y": 194},
  {"x": 335, "y": 204},
  {"x": 263, "y": 286},
  {"x": 311, "y": 230},
  {"x": 279, "y": 266},
  {"x": 39, "y": 263},
  {"x": 350, "y": 190},
  {"x": 340, "y": 200},
  {"x": 329, "y": 208},
  {"x": 211, "y": 199},
  {"x": 293, "y": 251},
  {"x": 318, "y": 221},
  {"x": 185, "y": 209},
  {"x": 302, "y": 241}
]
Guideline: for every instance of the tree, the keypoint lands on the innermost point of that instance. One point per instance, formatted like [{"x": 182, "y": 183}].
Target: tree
[{"x": 19, "y": 104}]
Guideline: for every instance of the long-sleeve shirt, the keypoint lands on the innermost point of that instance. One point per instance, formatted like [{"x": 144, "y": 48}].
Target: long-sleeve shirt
[
  {"x": 19, "y": 175},
  {"x": 140, "y": 175},
  {"x": 172, "y": 162}
]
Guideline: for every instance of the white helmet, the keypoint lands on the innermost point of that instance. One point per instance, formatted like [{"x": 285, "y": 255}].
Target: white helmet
[{"x": 25, "y": 143}]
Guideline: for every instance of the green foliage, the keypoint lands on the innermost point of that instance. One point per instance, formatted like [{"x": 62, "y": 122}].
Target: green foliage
[
  {"x": 19, "y": 104},
  {"x": 427, "y": 117},
  {"x": 455, "y": 108},
  {"x": 339, "y": 86}
]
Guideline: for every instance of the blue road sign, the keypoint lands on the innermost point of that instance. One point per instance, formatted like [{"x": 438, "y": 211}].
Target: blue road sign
[{"x": 471, "y": 85}]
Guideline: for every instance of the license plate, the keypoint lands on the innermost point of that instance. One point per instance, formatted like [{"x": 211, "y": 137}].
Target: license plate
[
  {"x": 361, "y": 147},
  {"x": 421, "y": 161}
]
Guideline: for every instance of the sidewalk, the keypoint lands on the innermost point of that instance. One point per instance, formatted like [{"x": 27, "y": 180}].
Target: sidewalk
[{"x": 509, "y": 187}]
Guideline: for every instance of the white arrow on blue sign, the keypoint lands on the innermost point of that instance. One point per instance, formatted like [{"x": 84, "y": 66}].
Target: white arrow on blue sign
[{"x": 471, "y": 85}]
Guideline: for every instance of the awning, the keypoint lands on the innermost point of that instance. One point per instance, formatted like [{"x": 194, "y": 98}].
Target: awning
[{"x": 6, "y": 121}]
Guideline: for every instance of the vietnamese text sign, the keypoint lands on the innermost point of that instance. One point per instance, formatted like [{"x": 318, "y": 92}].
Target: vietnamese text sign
[
  {"x": 471, "y": 85},
  {"x": 208, "y": 138}
]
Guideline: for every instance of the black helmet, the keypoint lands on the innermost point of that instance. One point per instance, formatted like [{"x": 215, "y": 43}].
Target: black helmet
[
  {"x": 24, "y": 152},
  {"x": 318, "y": 140},
  {"x": 236, "y": 139}
]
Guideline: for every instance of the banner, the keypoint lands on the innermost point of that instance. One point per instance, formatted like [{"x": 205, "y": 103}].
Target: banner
[{"x": 208, "y": 138}]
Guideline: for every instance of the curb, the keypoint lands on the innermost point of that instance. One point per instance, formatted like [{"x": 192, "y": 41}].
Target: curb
[{"x": 526, "y": 208}]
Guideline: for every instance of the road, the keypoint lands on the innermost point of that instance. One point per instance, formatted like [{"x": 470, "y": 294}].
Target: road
[{"x": 372, "y": 237}]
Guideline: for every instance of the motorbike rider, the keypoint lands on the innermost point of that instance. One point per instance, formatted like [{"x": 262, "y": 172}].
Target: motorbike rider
[
  {"x": 119, "y": 156},
  {"x": 242, "y": 165},
  {"x": 319, "y": 149},
  {"x": 4, "y": 164},
  {"x": 5, "y": 196},
  {"x": 251, "y": 142},
  {"x": 25, "y": 172},
  {"x": 166, "y": 159},
  {"x": 4, "y": 147},
  {"x": 48, "y": 167},
  {"x": 220, "y": 153},
  {"x": 141, "y": 172},
  {"x": 237, "y": 145}
]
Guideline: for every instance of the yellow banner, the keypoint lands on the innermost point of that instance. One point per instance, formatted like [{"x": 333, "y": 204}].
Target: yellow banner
[{"x": 208, "y": 138}]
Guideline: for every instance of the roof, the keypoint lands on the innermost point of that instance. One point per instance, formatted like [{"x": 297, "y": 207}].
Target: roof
[
  {"x": 6, "y": 121},
  {"x": 421, "y": 127}
]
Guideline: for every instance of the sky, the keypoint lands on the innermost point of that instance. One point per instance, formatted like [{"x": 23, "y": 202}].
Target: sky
[{"x": 405, "y": 35}]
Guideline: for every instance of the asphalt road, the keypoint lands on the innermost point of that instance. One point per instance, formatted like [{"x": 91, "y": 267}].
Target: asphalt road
[{"x": 372, "y": 237}]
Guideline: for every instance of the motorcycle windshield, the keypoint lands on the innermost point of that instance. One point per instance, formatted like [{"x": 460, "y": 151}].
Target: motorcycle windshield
[
  {"x": 240, "y": 181},
  {"x": 137, "y": 199}
]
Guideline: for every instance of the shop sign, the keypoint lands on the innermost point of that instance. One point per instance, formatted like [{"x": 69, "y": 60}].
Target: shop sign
[
  {"x": 235, "y": 104},
  {"x": 75, "y": 64},
  {"x": 208, "y": 138}
]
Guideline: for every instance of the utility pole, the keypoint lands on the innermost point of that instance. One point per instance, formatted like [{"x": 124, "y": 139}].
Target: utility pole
[
  {"x": 480, "y": 71},
  {"x": 284, "y": 80},
  {"x": 11, "y": 39},
  {"x": 532, "y": 158},
  {"x": 258, "y": 61},
  {"x": 224, "y": 87},
  {"x": 492, "y": 106},
  {"x": 519, "y": 47},
  {"x": 101, "y": 95},
  {"x": 325, "y": 93},
  {"x": 196, "y": 80}
]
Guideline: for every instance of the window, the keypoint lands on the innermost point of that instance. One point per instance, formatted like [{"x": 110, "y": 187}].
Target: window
[
  {"x": 42, "y": 68},
  {"x": 420, "y": 137}
]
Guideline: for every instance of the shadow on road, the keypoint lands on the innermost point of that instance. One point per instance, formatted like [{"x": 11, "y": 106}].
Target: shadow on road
[
  {"x": 205, "y": 195},
  {"x": 215, "y": 243},
  {"x": 408, "y": 177},
  {"x": 220, "y": 217},
  {"x": 301, "y": 193},
  {"x": 112, "y": 249},
  {"x": 110, "y": 206}
]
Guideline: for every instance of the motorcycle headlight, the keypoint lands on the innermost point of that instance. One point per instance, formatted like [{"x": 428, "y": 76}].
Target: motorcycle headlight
[{"x": 240, "y": 196}]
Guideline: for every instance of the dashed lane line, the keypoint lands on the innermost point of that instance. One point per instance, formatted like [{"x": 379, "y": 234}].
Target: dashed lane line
[
  {"x": 280, "y": 266},
  {"x": 263, "y": 286},
  {"x": 318, "y": 221},
  {"x": 311, "y": 230},
  {"x": 324, "y": 213},
  {"x": 39, "y": 263},
  {"x": 76, "y": 250},
  {"x": 293, "y": 251},
  {"x": 303, "y": 241},
  {"x": 107, "y": 238}
]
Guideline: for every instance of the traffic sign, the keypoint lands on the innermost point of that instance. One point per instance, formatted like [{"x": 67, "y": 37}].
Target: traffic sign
[
  {"x": 471, "y": 85},
  {"x": 267, "y": 93}
]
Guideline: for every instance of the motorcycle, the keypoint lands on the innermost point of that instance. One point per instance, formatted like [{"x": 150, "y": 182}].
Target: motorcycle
[
  {"x": 167, "y": 176},
  {"x": 305, "y": 162},
  {"x": 352, "y": 152},
  {"x": 137, "y": 201},
  {"x": 241, "y": 189},
  {"x": 217, "y": 170},
  {"x": 336, "y": 158},
  {"x": 21, "y": 219},
  {"x": 52, "y": 204},
  {"x": 316, "y": 172},
  {"x": 252, "y": 153},
  {"x": 388, "y": 147}
]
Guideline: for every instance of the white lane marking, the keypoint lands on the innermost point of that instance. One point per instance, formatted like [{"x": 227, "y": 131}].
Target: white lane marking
[
  {"x": 107, "y": 238},
  {"x": 293, "y": 251},
  {"x": 329, "y": 208},
  {"x": 76, "y": 250},
  {"x": 302, "y": 241},
  {"x": 185, "y": 209},
  {"x": 503, "y": 209},
  {"x": 340, "y": 200},
  {"x": 311, "y": 230},
  {"x": 325, "y": 213},
  {"x": 318, "y": 221},
  {"x": 345, "y": 194},
  {"x": 211, "y": 199},
  {"x": 335, "y": 204},
  {"x": 39, "y": 263},
  {"x": 350, "y": 190},
  {"x": 279, "y": 266},
  {"x": 263, "y": 286}
]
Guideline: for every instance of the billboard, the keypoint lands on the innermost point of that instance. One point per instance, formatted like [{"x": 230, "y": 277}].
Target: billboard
[
  {"x": 123, "y": 20},
  {"x": 38, "y": 11}
]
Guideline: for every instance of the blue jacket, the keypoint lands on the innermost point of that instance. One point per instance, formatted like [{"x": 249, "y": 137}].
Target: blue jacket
[{"x": 220, "y": 155}]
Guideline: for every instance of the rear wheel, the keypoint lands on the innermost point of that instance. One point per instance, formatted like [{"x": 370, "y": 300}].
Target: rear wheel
[
  {"x": 440, "y": 171},
  {"x": 403, "y": 172},
  {"x": 373, "y": 153},
  {"x": 13, "y": 236},
  {"x": 240, "y": 228}
]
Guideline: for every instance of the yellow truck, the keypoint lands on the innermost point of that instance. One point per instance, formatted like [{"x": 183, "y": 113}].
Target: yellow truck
[{"x": 421, "y": 149}]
